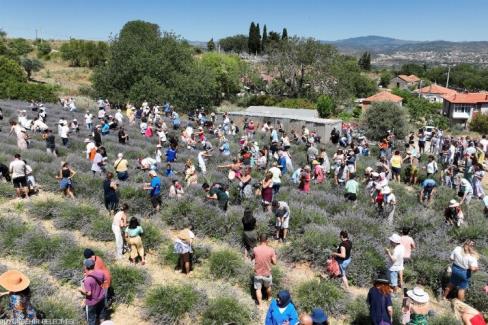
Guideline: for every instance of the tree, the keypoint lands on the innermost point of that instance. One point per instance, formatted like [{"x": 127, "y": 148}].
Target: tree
[
  {"x": 365, "y": 61},
  {"x": 326, "y": 106},
  {"x": 20, "y": 46},
  {"x": 384, "y": 116},
  {"x": 479, "y": 123},
  {"x": 3, "y": 33},
  {"x": 31, "y": 65},
  {"x": 264, "y": 41},
  {"x": 43, "y": 49},
  {"x": 236, "y": 43},
  {"x": 211, "y": 45},
  {"x": 251, "y": 40},
  {"x": 284, "y": 34},
  {"x": 385, "y": 78},
  {"x": 144, "y": 64},
  {"x": 81, "y": 53},
  {"x": 412, "y": 68}
]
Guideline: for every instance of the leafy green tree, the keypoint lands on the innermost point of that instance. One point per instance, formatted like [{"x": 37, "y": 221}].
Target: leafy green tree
[
  {"x": 142, "y": 65},
  {"x": 274, "y": 37},
  {"x": 264, "y": 41},
  {"x": 236, "y": 43},
  {"x": 3, "y": 33},
  {"x": 211, "y": 45},
  {"x": 81, "y": 53},
  {"x": 413, "y": 68},
  {"x": 365, "y": 61},
  {"x": 10, "y": 71},
  {"x": 384, "y": 116},
  {"x": 284, "y": 34},
  {"x": 479, "y": 123},
  {"x": 326, "y": 106},
  {"x": 31, "y": 65},
  {"x": 20, "y": 46},
  {"x": 43, "y": 49},
  {"x": 385, "y": 78}
]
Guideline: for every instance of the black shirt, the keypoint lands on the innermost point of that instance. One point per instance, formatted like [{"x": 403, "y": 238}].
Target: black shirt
[
  {"x": 109, "y": 192},
  {"x": 249, "y": 223},
  {"x": 348, "y": 246},
  {"x": 50, "y": 143}
]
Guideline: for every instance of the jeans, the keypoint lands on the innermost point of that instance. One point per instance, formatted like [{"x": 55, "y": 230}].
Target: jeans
[
  {"x": 119, "y": 241},
  {"x": 276, "y": 188},
  {"x": 65, "y": 141},
  {"x": 96, "y": 312}
]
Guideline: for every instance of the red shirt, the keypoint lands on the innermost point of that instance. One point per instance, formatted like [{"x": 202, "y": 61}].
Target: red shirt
[{"x": 263, "y": 256}]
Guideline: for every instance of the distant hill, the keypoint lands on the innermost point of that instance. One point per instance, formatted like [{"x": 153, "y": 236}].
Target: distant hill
[{"x": 388, "y": 45}]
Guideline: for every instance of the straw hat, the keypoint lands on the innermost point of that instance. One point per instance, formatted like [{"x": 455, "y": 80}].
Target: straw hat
[
  {"x": 386, "y": 190},
  {"x": 418, "y": 295},
  {"x": 375, "y": 174},
  {"x": 184, "y": 235},
  {"x": 453, "y": 204},
  {"x": 86, "y": 140},
  {"x": 315, "y": 162},
  {"x": 152, "y": 173},
  {"x": 368, "y": 170},
  {"x": 14, "y": 281},
  {"x": 395, "y": 238}
]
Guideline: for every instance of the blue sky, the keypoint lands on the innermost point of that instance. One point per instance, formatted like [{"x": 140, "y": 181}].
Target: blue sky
[{"x": 462, "y": 20}]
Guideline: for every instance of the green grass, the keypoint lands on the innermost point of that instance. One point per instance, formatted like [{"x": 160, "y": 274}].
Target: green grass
[
  {"x": 226, "y": 310},
  {"x": 127, "y": 282}
]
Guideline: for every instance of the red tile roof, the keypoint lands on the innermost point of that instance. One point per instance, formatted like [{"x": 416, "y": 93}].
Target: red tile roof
[
  {"x": 436, "y": 89},
  {"x": 384, "y": 96},
  {"x": 467, "y": 98},
  {"x": 410, "y": 78}
]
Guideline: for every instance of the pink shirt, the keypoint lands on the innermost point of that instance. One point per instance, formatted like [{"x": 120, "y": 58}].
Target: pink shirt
[{"x": 408, "y": 243}]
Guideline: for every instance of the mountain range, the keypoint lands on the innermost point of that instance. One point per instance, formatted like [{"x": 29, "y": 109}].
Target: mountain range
[{"x": 388, "y": 45}]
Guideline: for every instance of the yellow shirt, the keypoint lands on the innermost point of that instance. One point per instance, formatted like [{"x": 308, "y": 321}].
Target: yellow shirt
[
  {"x": 120, "y": 165},
  {"x": 396, "y": 161}
]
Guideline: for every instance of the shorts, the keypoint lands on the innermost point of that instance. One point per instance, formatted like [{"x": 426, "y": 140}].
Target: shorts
[
  {"x": 262, "y": 281},
  {"x": 156, "y": 200},
  {"x": 394, "y": 278},
  {"x": 20, "y": 182},
  {"x": 343, "y": 266},
  {"x": 284, "y": 224},
  {"x": 396, "y": 170},
  {"x": 460, "y": 277},
  {"x": 65, "y": 183},
  {"x": 350, "y": 196}
]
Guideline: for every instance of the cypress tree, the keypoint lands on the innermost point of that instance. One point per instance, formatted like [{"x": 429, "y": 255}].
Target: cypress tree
[
  {"x": 284, "y": 34},
  {"x": 250, "y": 40},
  {"x": 257, "y": 40},
  {"x": 211, "y": 45},
  {"x": 264, "y": 42}
]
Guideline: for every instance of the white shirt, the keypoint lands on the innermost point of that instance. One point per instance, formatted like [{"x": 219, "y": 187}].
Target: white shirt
[
  {"x": 276, "y": 174},
  {"x": 89, "y": 148},
  {"x": 101, "y": 113},
  {"x": 397, "y": 255},
  {"x": 484, "y": 143},
  {"x": 431, "y": 167},
  {"x": 17, "y": 168},
  {"x": 461, "y": 259},
  {"x": 63, "y": 131},
  {"x": 201, "y": 161},
  {"x": 39, "y": 125},
  {"x": 117, "y": 218},
  {"x": 162, "y": 136},
  {"x": 98, "y": 159},
  {"x": 119, "y": 117},
  {"x": 466, "y": 185}
]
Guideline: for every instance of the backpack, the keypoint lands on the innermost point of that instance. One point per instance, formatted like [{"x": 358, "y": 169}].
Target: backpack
[
  {"x": 109, "y": 293},
  {"x": 332, "y": 267}
]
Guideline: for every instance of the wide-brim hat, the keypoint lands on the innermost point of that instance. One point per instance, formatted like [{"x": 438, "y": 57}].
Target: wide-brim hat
[
  {"x": 315, "y": 162},
  {"x": 386, "y": 190},
  {"x": 375, "y": 174},
  {"x": 382, "y": 277},
  {"x": 184, "y": 235},
  {"x": 418, "y": 294},
  {"x": 395, "y": 238},
  {"x": 152, "y": 173},
  {"x": 453, "y": 204},
  {"x": 86, "y": 140},
  {"x": 14, "y": 281}
]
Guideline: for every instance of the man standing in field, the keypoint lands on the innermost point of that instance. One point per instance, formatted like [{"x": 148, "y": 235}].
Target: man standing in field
[{"x": 264, "y": 257}]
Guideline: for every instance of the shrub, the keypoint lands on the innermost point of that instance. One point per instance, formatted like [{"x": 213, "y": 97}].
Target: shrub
[
  {"x": 358, "y": 311},
  {"x": 443, "y": 320},
  {"x": 475, "y": 295},
  {"x": 314, "y": 245},
  {"x": 10, "y": 231},
  {"x": 479, "y": 123},
  {"x": 226, "y": 310},
  {"x": 38, "y": 247},
  {"x": 45, "y": 209},
  {"x": 151, "y": 238},
  {"x": 318, "y": 293},
  {"x": 68, "y": 266},
  {"x": 99, "y": 228},
  {"x": 225, "y": 264},
  {"x": 393, "y": 117},
  {"x": 325, "y": 106},
  {"x": 296, "y": 103},
  {"x": 169, "y": 303},
  {"x": 127, "y": 282},
  {"x": 57, "y": 308}
]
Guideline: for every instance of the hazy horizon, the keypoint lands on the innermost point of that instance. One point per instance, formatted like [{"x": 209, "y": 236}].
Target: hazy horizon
[{"x": 200, "y": 21}]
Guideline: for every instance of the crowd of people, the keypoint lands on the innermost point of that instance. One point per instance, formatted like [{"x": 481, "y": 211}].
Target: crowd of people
[{"x": 456, "y": 161}]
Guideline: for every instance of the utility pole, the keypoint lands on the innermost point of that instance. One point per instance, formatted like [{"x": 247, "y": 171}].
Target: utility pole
[
  {"x": 448, "y": 73},
  {"x": 36, "y": 33}
]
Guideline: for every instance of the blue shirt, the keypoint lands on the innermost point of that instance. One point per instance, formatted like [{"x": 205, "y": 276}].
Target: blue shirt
[
  {"x": 282, "y": 164},
  {"x": 225, "y": 149},
  {"x": 429, "y": 183},
  {"x": 170, "y": 155},
  {"x": 105, "y": 128},
  {"x": 156, "y": 186},
  {"x": 169, "y": 172},
  {"x": 275, "y": 317}
]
